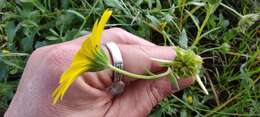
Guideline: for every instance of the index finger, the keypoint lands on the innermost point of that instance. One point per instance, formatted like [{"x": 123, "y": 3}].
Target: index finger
[{"x": 116, "y": 35}]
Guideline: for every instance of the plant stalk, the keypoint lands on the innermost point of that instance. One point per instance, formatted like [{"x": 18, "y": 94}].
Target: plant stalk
[
  {"x": 138, "y": 76},
  {"x": 234, "y": 11},
  {"x": 198, "y": 36}
]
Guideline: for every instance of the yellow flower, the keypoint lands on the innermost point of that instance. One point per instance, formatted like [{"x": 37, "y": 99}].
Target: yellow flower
[
  {"x": 5, "y": 51},
  {"x": 189, "y": 98},
  {"x": 90, "y": 57}
]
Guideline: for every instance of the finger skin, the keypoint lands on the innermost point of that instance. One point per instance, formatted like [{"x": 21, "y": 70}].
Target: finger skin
[
  {"x": 116, "y": 35},
  {"x": 137, "y": 57}
]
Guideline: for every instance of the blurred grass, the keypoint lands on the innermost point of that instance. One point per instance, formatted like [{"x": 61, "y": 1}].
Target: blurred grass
[{"x": 224, "y": 33}]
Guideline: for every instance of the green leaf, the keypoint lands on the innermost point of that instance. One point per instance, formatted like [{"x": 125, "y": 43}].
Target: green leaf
[
  {"x": 158, "y": 5},
  {"x": 183, "y": 113},
  {"x": 168, "y": 18},
  {"x": 154, "y": 20},
  {"x": 65, "y": 21},
  {"x": 208, "y": 32},
  {"x": 4, "y": 4},
  {"x": 27, "y": 43},
  {"x": 54, "y": 32},
  {"x": 150, "y": 3},
  {"x": 36, "y": 3},
  {"x": 230, "y": 34},
  {"x": 183, "y": 39},
  {"x": 114, "y": 3},
  {"x": 72, "y": 34},
  {"x": 14, "y": 71},
  {"x": 212, "y": 5},
  {"x": 40, "y": 44},
  {"x": 156, "y": 113},
  {"x": 196, "y": 3},
  {"x": 65, "y": 3},
  {"x": 248, "y": 20},
  {"x": 29, "y": 1},
  {"x": 11, "y": 30},
  {"x": 29, "y": 23},
  {"x": 12, "y": 63},
  {"x": 52, "y": 38},
  {"x": 225, "y": 47},
  {"x": 3, "y": 70}
]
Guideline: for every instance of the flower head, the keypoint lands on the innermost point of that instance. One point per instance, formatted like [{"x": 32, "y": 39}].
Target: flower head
[
  {"x": 189, "y": 99},
  {"x": 90, "y": 57},
  {"x": 186, "y": 63}
]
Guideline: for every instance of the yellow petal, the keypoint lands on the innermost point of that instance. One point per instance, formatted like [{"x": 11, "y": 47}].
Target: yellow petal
[
  {"x": 79, "y": 61},
  {"x": 189, "y": 98},
  {"x": 89, "y": 42},
  {"x": 101, "y": 25},
  {"x": 68, "y": 77},
  {"x": 98, "y": 28},
  {"x": 83, "y": 58}
]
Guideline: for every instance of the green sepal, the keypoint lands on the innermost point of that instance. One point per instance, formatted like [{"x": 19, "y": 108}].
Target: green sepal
[
  {"x": 100, "y": 61},
  {"x": 173, "y": 79},
  {"x": 185, "y": 64}
]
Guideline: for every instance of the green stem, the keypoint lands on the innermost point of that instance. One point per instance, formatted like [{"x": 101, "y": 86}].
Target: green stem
[
  {"x": 138, "y": 76},
  {"x": 181, "y": 17},
  {"x": 198, "y": 36},
  {"x": 210, "y": 49},
  {"x": 83, "y": 24},
  {"x": 161, "y": 61},
  {"x": 38, "y": 6},
  {"x": 165, "y": 36}
]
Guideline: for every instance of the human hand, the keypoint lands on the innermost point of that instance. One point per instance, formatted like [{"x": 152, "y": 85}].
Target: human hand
[{"x": 88, "y": 96}]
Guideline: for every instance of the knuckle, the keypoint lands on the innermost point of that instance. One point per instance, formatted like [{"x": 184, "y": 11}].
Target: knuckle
[
  {"x": 119, "y": 34},
  {"x": 59, "y": 57},
  {"x": 39, "y": 52},
  {"x": 57, "y": 54}
]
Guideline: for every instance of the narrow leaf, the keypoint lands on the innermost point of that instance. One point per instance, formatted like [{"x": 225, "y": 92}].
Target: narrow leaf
[
  {"x": 173, "y": 79},
  {"x": 201, "y": 84},
  {"x": 210, "y": 31},
  {"x": 196, "y": 3},
  {"x": 76, "y": 13},
  {"x": 154, "y": 20},
  {"x": 193, "y": 19},
  {"x": 52, "y": 38}
]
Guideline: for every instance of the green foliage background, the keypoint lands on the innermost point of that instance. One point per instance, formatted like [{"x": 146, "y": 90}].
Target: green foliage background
[{"x": 225, "y": 33}]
